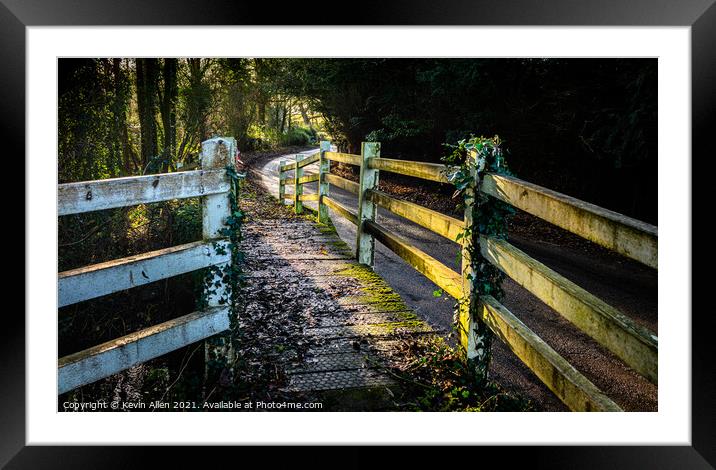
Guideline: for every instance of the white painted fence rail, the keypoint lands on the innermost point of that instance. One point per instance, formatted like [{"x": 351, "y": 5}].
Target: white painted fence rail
[
  {"x": 213, "y": 185},
  {"x": 122, "y": 353},
  {"x": 87, "y": 196},
  {"x": 101, "y": 279}
]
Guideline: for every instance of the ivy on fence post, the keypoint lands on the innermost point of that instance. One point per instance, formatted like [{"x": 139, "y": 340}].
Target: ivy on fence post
[
  {"x": 365, "y": 243},
  {"x": 483, "y": 216},
  {"x": 221, "y": 219},
  {"x": 324, "y": 167}
]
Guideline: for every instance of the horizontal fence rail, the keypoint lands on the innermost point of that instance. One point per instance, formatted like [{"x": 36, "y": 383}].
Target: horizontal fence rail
[
  {"x": 575, "y": 390},
  {"x": 343, "y": 183},
  {"x": 629, "y": 237},
  {"x": 87, "y": 196},
  {"x": 341, "y": 209},
  {"x": 422, "y": 170},
  {"x": 303, "y": 179},
  {"x": 308, "y": 161},
  {"x": 122, "y": 353},
  {"x": 633, "y": 344},
  {"x": 210, "y": 183},
  {"x": 97, "y": 280},
  {"x": 302, "y": 163},
  {"x": 302, "y": 197},
  {"x": 442, "y": 224},
  {"x": 344, "y": 158},
  {"x": 441, "y": 275}
]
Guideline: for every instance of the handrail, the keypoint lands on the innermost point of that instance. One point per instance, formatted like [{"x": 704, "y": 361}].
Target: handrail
[
  {"x": 114, "y": 356},
  {"x": 302, "y": 197},
  {"x": 309, "y": 160},
  {"x": 567, "y": 383},
  {"x": 303, "y": 179},
  {"x": 287, "y": 167},
  {"x": 629, "y": 237},
  {"x": 341, "y": 209},
  {"x": 442, "y": 224},
  {"x": 343, "y": 183},
  {"x": 88, "y": 196},
  {"x": 344, "y": 158},
  {"x": 441, "y": 275},
  {"x": 423, "y": 170},
  {"x": 633, "y": 344},
  {"x": 97, "y": 280}
]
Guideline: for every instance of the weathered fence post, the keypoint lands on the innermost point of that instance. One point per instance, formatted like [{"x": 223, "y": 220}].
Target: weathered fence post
[
  {"x": 298, "y": 191},
  {"x": 365, "y": 243},
  {"x": 281, "y": 183},
  {"x": 474, "y": 337},
  {"x": 324, "y": 167},
  {"x": 216, "y": 153}
]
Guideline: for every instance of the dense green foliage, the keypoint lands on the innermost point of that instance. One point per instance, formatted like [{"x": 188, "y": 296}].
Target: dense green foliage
[
  {"x": 574, "y": 125},
  {"x": 138, "y": 116},
  {"x": 580, "y": 126}
]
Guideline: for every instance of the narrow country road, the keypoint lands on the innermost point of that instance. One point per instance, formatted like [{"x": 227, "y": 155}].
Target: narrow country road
[{"x": 624, "y": 284}]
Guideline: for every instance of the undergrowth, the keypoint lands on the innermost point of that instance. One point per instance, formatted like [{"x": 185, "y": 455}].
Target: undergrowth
[{"x": 434, "y": 378}]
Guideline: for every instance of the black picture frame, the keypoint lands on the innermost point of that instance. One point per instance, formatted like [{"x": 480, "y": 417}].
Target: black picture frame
[{"x": 700, "y": 15}]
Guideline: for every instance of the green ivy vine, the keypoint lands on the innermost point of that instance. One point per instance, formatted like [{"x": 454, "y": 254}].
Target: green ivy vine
[
  {"x": 468, "y": 162},
  {"x": 228, "y": 278}
]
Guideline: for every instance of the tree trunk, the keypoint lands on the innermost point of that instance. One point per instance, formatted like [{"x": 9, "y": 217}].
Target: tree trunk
[
  {"x": 147, "y": 76},
  {"x": 283, "y": 109},
  {"x": 261, "y": 95},
  {"x": 121, "y": 98},
  {"x": 199, "y": 102},
  {"x": 304, "y": 116},
  {"x": 262, "y": 111},
  {"x": 170, "y": 96}
]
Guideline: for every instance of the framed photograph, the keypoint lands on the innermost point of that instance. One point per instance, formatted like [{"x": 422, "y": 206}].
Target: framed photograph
[{"x": 359, "y": 230}]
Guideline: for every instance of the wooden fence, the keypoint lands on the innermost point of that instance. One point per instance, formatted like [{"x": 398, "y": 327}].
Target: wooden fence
[
  {"x": 212, "y": 184},
  {"x": 633, "y": 344}
]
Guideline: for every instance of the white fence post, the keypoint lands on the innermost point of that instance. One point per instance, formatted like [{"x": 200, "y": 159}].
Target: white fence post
[
  {"x": 365, "y": 243},
  {"x": 216, "y": 153},
  {"x": 324, "y": 167},
  {"x": 298, "y": 188},
  {"x": 474, "y": 339}
]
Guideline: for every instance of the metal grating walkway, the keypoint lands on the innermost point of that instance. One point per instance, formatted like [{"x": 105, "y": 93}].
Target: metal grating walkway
[{"x": 341, "y": 319}]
